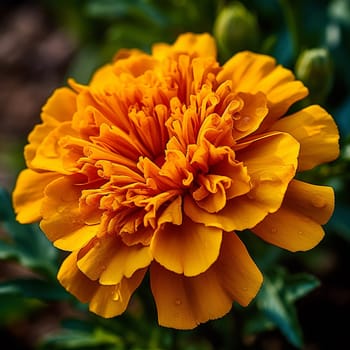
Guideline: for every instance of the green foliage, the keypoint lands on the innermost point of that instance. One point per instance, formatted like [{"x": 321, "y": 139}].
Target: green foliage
[
  {"x": 276, "y": 301},
  {"x": 275, "y": 305},
  {"x": 76, "y": 339},
  {"x": 25, "y": 243},
  {"x": 33, "y": 288}
]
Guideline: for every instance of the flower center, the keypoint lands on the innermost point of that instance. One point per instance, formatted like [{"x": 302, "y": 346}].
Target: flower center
[{"x": 159, "y": 160}]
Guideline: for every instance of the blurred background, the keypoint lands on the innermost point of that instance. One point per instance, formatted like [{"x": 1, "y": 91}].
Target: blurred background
[{"x": 306, "y": 300}]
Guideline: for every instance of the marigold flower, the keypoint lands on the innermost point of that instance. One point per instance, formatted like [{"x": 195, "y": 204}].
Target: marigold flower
[{"x": 158, "y": 162}]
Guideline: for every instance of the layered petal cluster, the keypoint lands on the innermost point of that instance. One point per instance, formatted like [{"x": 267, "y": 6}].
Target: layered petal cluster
[{"x": 157, "y": 163}]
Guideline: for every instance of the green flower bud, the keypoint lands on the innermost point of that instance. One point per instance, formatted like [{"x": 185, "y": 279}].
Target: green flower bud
[
  {"x": 235, "y": 29},
  {"x": 314, "y": 67}
]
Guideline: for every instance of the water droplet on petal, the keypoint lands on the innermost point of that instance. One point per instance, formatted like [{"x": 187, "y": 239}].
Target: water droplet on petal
[
  {"x": 274, "y": 230},
  {"x": 243, "y": 124},
  {"x": 178, "y": 302},
  {"x": 245, "y": 289},
  {"x": 60, "y": 210},
  {"x": 116, "y": 294},
  {"x": 318, "y": 202}
]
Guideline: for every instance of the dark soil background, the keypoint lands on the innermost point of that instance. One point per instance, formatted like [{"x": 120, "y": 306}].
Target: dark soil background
[{"x": 35, "y": 54}]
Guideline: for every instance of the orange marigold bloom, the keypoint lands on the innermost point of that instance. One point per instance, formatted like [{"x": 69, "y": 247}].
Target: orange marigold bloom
[{"x": 159, "y": 160}]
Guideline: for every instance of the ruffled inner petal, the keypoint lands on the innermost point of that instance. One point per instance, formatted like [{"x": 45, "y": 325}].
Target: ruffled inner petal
[
  {"x": 271, "y": 163},
  {"x": 246, "y": 110}
]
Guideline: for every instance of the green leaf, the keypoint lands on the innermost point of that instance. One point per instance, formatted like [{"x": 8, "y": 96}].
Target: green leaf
[
  {"x": 258, "y": 323},
  {"x": 8, "y": 251},
  {"x": 297, "y": 286},
  {"x": 15, "y": 308},
  {"x": 6, "y": 211},
  {"x": 26, "y": 243},
  {"x": 85, "y": 62},
  {"x": 279, "y": 311},
  {"x": 34, "y": 288},
  {"x": 276, "y": 301},
  {"x": 77, "y": 339},
  {"x": 138, "y": 10}
]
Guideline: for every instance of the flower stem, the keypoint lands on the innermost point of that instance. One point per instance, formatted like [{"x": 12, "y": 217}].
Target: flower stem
[{"x": 292, "y": 24}]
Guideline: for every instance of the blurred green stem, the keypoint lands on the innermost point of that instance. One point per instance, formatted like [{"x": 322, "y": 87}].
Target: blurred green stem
[{"x": 292, "y": 24}]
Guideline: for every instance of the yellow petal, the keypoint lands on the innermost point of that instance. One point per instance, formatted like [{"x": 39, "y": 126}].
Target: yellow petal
[
  {"x": 289, "y": 230},
  {"x": 126, "y": 53},
  {"x": 136, "y": 64},
  {"x": 307, "y": 207},
  {"x": 215, "y": 199},
  {"x": 184, "y": 302},
  {"x": 271, "y": 164},
  {"x": 63, "y": 222},
  {"x": 248, "y": 65},
  {"x": 29, "y": 193},
  {"x": 316, "y": 202},
  {"x": 74, "y": 281},
  {"x": 237, "y": 172},
  {"x": 106, "y": 301},
  {"x": 61, "y": 105},
  {"x": 200, "y": 44},
  {"x": 214, "y": 190},
  {"x": 251, "y": 72},
  {"x": 110, "y": 301},
  {"x": 239, "y": 213},
  {"x": 189, "y": 248},
  {"x": 59, "y": 108},
  {"x": 172, "y": 213},
  {"x": 281, "y": 91},
  {"x": 316, "y": 132},
  {"x": 36, "y": 137},
  {"x": 48, "y": 154},
  {"x": 109, "y": 260},
  {"x": 237, "y": 272},
  {"x": 250, "y": 115}
]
